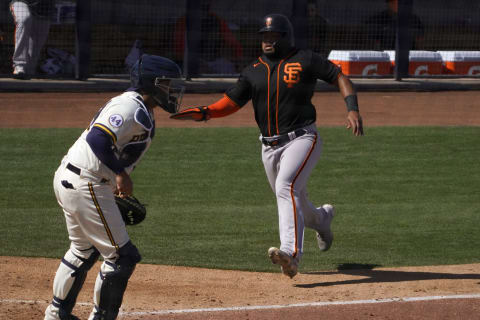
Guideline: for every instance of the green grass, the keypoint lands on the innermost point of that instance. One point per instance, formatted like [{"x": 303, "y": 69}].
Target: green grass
[{"x": 404, "y": 196}]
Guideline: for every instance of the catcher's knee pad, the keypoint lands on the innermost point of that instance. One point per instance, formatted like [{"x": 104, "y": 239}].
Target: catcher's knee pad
[
  {"x": 69, "y": 279},
  {"x": 112, "y": 282}
]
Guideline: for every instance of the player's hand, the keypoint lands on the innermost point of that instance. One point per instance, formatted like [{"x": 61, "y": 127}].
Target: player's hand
[
  {"x": 354, "y": 122},
  {"x": 124, "y": 184},
  {"x": 195, "y": 113}
]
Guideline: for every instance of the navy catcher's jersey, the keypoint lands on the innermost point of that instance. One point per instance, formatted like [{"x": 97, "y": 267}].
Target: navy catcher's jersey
[{"x": 281, "y": 90}]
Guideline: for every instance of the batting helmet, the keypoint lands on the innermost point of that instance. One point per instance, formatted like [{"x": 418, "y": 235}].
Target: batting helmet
[
  {"x": 276, "y": 22},
  {"x": 155, "y": 75}
]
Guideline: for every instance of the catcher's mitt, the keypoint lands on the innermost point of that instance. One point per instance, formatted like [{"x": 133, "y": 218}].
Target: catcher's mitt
[
  {"x": 195, "y": 113},
  {"x": 133, "y": 212}
]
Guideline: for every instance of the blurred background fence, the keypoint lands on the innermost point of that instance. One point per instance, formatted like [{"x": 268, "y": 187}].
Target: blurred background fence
[{"x": 209, "y": 38}]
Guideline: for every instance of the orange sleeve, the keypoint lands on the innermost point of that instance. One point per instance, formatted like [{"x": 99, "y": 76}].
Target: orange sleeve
[{"x": 222, "y": 108}]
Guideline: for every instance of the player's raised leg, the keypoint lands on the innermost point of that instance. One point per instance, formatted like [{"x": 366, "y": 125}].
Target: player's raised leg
[{"x": 296, "y": 165}]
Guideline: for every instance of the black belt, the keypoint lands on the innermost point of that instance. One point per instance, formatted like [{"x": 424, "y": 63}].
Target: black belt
[
  {"x": 283, "y": 138},
  {"x": 77, "y": 171},
  {"x": 74, "y": 169}
]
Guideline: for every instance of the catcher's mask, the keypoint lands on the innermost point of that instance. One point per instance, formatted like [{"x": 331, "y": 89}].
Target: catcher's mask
[
  {"x": 276, "y": 22},
  {"x": 159, "y": 77}
]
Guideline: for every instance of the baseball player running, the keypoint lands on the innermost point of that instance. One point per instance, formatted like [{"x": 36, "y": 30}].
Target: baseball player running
[
  {"x": 280, "y": 84},
  {"x": 98, "y": 165}
]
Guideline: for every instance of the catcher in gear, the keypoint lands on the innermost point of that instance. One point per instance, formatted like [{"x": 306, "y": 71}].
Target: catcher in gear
[
  {"x": 280, "y": 84},
  {"x": 94, "y": 173}
]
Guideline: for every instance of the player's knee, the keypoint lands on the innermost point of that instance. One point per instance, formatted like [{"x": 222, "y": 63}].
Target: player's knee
[
  {"x": 128, "y": 257},
  {"x": 79, "y": 263},
  {"x": 87, "y": 257},
  {"x": 129, "y": 254},
  {"x": 70, "y": 277},
  {"x": 283, "y": 189}
]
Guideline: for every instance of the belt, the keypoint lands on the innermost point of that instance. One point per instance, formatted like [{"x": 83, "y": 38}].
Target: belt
[
  {"x": 284, "y": 138},
  {"x": 74, "y": 169},
  {"x": 77, "y": 171}
]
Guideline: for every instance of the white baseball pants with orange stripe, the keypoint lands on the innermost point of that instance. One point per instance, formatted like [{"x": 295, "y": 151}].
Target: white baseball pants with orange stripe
[{"x": 288, "y": 168}]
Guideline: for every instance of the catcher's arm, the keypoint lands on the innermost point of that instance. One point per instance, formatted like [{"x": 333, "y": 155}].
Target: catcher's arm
[{"x": 221, "y": 108}]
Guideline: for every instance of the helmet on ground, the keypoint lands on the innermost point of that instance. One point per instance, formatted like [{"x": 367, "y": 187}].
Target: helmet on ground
[
  {"x": 156, "y": 76},
  {"x": 276, "y": 22}
]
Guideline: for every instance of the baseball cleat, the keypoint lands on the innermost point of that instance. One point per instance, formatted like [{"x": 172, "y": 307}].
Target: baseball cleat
[
  {"x": 288, "y": 264},
  {"x": 325, "y": 237},
  {"x": 19, "y": 73},
  {"x": 54, "y": 313}
]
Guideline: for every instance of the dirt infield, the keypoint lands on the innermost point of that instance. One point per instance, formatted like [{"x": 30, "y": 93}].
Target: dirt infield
[
  {"x": 166, "y": 292},
  {"x": 154, "y": 289},
  {"x": 46, "y": 110}
]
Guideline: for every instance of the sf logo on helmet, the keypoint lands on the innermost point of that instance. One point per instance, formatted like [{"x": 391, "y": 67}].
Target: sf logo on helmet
[{"x": 292, "y": 73}]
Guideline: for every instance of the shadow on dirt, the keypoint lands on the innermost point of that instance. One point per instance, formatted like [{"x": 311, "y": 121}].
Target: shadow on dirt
[{"x": 370, "y": 275}]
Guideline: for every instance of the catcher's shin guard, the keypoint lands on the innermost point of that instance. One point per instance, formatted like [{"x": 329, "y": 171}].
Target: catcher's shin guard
[
  {"x": 68, "y": 282},
  {"x": 112, "y": 282}
]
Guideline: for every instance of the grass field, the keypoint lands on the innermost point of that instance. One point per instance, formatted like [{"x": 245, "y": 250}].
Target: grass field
[{"x": 404, "y": 196}]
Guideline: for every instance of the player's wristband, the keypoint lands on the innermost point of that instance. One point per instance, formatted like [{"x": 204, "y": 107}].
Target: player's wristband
[{"x": 352, "y": 102}]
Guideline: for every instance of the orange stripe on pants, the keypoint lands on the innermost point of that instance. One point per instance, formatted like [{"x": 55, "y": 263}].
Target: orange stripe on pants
[{"x": 293, "y": 197}]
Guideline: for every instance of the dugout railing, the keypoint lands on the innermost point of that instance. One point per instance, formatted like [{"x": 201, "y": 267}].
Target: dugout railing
[{"x": 217, "y": 38}]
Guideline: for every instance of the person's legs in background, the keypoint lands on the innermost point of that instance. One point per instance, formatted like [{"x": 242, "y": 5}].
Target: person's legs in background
[{"x": 23, "y": 24}]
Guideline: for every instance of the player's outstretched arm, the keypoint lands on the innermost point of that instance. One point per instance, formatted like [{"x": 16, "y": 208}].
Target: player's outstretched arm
[
  {"x": 354, "y": 120},
  {"x": 193, "y": 113},
  {"x": 221, "y": 108}
]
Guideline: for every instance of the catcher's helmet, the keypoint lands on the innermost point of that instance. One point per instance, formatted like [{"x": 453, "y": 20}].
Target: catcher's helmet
[
  {"x": 276, "y": 22},
  {"x": 154, "y": 75}
]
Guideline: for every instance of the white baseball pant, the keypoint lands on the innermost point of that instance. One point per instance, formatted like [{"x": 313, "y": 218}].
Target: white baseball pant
[
  {"x": 31, "y": 33},
  {"x": 93, "y": 220},
  {"x": 288, "y": 168}
]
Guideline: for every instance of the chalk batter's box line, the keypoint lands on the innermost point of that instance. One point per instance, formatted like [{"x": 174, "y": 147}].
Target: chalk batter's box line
[{"x": 302, "y": 305}]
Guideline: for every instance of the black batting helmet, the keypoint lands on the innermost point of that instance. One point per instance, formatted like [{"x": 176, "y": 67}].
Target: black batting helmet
[{"x": 276, "y": 22}]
